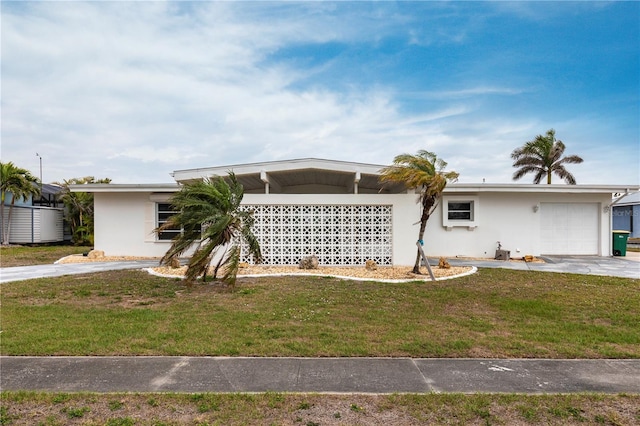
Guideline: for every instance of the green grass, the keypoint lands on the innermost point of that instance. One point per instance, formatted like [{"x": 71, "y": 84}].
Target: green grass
[
  {"x": 36, "y": 255},
  {"x": 312, "y": 409},
  {"x": 494, "y": 313}
]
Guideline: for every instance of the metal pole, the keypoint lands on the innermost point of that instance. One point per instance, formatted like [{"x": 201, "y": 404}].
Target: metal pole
[{"x": 38, "y": 155}]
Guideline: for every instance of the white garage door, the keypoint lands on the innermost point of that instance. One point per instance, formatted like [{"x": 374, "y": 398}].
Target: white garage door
[
  {"x": 337, "y": 234},
  {"x": 569, "y": 228}
]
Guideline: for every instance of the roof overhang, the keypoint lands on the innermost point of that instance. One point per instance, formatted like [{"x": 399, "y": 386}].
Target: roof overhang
[
  {"x": 539, "y": 188},
  {"x": 124, "y": 187},
  {"x": 297, "y": 175}
]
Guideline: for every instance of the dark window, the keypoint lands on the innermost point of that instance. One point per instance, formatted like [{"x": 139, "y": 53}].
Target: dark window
[
  {"x": 165, "y": 211},
  {"x": 460, "y": 210}
]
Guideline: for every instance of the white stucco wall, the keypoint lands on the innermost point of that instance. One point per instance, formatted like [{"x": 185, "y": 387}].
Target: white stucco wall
[
  {"x": 124, "y": 222},
  {"x": 509, "y": 218}
]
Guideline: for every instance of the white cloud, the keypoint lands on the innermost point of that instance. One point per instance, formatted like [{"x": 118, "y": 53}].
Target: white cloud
[{"x": 132, "y": 91}]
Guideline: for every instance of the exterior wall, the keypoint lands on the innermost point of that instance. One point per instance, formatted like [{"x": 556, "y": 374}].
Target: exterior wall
[
  {"x": 627, "y": 218},
  {"x": 34, "y": 225},
  {"x": 509, "y": 218},
  {"x": 124, "y": 222},
  {"x": 405, "y": 212}
]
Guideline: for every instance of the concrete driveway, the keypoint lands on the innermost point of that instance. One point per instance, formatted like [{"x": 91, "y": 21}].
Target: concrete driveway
[{"x": 626, "y": 267}]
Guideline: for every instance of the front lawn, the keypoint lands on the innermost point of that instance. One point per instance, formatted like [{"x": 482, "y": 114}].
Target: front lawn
[
  {"x": 494, "y": 313},
  {"x": 36, "y": 255}
]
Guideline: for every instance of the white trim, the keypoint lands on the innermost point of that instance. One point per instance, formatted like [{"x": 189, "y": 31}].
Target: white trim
[{"x": 475, "y": 212}]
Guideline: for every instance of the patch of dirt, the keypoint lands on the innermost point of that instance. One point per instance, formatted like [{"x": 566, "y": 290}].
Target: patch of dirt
[
  {"x": 326, "y": 410},
  {"x": 79, "y": 258},
  {"x": 359, "y": 272}
]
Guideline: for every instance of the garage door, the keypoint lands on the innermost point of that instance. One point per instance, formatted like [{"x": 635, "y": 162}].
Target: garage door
[
  {"x": 337, "y": 234},
  {"x": 569, "y": 228}
]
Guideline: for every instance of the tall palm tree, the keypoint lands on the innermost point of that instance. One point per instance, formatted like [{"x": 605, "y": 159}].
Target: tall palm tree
[
  {"x": 543, "y": 157},
  {"x": 18, "y": 182},
  {"x": 79, "y": 208},
  {"x": 210, "y": 218},
  {"x": 423, "y": 171}
]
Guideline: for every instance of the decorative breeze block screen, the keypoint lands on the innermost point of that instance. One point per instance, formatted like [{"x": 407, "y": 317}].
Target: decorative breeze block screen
[{"x": 336, "y": 234}]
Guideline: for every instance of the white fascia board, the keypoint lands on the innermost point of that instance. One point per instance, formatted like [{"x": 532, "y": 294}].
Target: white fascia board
[
  {"x": 534, "y": 188},
  {"x": 278, "y": 166},
  {"x": 111, "y": 187}
]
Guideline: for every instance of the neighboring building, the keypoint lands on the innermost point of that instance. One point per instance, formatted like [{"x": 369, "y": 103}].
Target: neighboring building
[
  {"x": 339, "y": 211},
  {"x": 626, "y": 214},
  {"x": 35, "y": 221}
]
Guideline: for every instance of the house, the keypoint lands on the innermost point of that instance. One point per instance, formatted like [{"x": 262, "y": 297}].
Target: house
[
  {"x": 340, "y": 212},
  {"x": 626, "y": 214},
  {"x": 35, "y": 220}
]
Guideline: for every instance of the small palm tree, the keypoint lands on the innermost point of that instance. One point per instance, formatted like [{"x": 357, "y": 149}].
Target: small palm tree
[
  {"x": 209, "y": 217},
  {"x": 543, "y": 157},
  {"x": 424, "y": 171},
  {"x": 20, "y": 183}
]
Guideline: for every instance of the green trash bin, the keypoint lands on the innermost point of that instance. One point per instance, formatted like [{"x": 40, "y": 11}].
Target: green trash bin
[{"x": 620, "y": 243}]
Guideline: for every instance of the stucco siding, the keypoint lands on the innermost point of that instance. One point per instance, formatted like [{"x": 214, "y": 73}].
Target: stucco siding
[
  {"x": 512, "y": 219},
  {"x": 124, "y": 222},
  {"x": 124, "y": 225}
]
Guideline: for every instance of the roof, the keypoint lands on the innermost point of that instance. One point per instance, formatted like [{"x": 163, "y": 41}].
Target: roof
[
  {"x": 297, "y": 173},
  {"x": 532, "y": 187},
  {"x": 48, "y": 188},
  {"x": 313, "y": 175},
  {"x": 628, "y": 199},
  {"x": 125, "y": 187}
]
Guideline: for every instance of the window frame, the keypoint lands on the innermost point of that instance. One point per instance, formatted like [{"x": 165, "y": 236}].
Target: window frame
[{"x": 471, "y": 222}]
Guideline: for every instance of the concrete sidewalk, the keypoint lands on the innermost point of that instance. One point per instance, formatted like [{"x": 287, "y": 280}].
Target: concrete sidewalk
[{"x": 322, "y": 375}]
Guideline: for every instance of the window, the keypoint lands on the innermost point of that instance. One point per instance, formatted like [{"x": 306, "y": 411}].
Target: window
[
  {"x": 460, "y": 211},
  {"x": 164, "y": 212}
]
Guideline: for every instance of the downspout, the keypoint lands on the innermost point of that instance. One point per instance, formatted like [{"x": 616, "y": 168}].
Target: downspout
[{"x": 33, "y": 232}]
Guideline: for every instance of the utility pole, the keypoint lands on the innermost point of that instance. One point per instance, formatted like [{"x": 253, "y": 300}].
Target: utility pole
[{"x": 38, "y": 155}]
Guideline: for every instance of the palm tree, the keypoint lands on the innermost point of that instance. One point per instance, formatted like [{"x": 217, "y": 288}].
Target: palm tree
[
  {"x": 209, "y": 217},
  {"x": 20, "y": 183},
  {"x": 543, "y": 156},
  {"x": 79, "y": 208},
  {"x": 423, "y": 171}
]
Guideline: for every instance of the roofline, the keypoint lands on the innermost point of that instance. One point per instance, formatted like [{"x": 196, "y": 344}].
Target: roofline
[
  {"x": 280, "y": 165},
  {"x": 553, "y": 188},
  {"x": 125, "y": 187},
  {"x": 451, "y": 188}
]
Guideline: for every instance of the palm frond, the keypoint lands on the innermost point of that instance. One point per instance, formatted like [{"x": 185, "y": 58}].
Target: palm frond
[
  {"x": 541, "y": 157},
  {"x": 212, "y": 224}
]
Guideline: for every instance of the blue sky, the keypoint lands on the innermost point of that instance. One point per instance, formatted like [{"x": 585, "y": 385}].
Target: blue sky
[{"x": 135, "y": 90}]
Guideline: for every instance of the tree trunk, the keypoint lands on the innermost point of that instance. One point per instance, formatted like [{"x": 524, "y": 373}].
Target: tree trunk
[
  {"x": 4, "y": 234},
  {"x": 8, "y": 234},
  {"x": 427, "y": 205}
]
